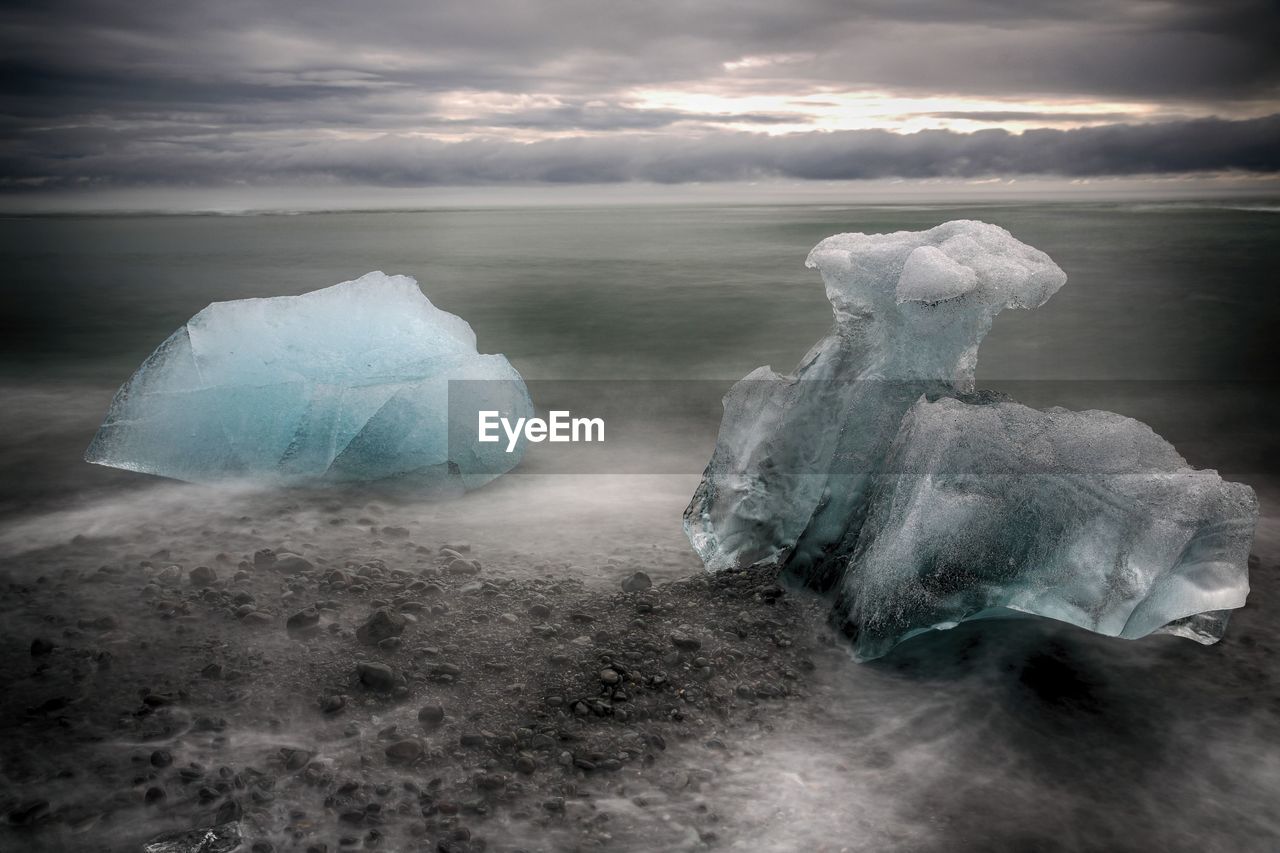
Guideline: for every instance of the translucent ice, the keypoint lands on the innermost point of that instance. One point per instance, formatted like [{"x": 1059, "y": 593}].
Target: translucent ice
[
  {"x": 965, "y": 509},
  {"x": 347, "y": 383},
  {"x": 1086, "y": 517},
  {"x": 796, "y": 454}
]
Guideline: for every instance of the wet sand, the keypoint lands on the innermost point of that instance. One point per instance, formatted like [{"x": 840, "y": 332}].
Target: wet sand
[
  {"x": 385, "y": 690},
  {"x": 432, "y": 676}
]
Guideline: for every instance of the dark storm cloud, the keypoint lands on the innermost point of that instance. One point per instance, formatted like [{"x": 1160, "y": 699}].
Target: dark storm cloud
[
  {"x": 1168, "y": 148},
  {"x": 1136, "y": 47},
  {"x": 151, "y": 91}
]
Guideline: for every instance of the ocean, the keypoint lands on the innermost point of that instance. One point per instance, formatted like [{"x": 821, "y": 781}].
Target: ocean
[
  {"x": 1173, "y": 292},
  {"x": 1020, "y": 736}
]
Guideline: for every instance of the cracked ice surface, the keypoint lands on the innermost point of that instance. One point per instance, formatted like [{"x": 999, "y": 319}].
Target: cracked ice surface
[
  {"x": 347, "y": 383},
  {"x": 819, "y": 471}
]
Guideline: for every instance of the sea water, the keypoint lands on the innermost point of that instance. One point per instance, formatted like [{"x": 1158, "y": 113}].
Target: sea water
[{"x": 1022, "y": 735}]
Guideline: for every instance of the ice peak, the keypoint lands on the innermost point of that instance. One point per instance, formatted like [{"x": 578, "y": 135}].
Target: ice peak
[{"x": 954, "y": 259}]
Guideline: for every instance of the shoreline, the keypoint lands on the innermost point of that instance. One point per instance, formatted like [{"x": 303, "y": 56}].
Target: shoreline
[
  {"x": 136, "y": 658},
  {"x": 471, "y": 710}
]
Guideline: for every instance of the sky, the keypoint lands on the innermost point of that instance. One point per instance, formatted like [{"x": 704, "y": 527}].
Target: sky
[{"x": 148, "y": 97}]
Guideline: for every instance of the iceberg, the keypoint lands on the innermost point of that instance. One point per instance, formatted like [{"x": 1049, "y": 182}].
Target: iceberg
[
  {"x": 796, "y": 454},
  {"x": 355, "y": 382},
  {"x": 989, "y": 507},
  {"x": 813, "y": 471}
]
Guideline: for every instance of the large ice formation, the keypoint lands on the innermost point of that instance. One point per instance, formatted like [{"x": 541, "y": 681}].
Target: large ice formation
[
  {"x": 1087, "y": 517},
  {"x": 834, "y": 471},
  {"x": 348, "y": 383},
  {"x": 796, "y": 454}
]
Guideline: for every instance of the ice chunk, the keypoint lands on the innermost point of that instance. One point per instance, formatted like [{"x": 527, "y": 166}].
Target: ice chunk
[
  {"x": 971, "y": 507},
  {"x": 347, "y": 383},
  {"x": 796, "y": 454},
  {"x": 929, "y": 276},
  {"x": 1085, "y": 517}
]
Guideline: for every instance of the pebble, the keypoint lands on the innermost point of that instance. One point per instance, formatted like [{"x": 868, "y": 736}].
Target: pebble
[
  {"x": 685, "y": 642},
  {"x": 491, "y": 781},
  {"x": 303, "y": 620},
  {"x": 404, "y": 751},
  {"x": 459, "y": 566},
  {"x": 638, "y": 582},
  {"x": 202, "y": 576},
  {"x": 431, "y": 716},
  {"x": 444, "y": 672},
  {"x": 376, "y": 676},
  {"x": 295, "y": 759},
  {"x": 380, "y": 625},
  {"x": 292, "y": 564}
]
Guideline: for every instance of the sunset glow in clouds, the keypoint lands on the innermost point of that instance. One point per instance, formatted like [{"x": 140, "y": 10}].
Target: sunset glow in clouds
[{"x": 105, "y": 93}]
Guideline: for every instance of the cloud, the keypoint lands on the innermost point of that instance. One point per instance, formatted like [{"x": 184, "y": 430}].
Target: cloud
[
  {"x": 1202, "y": 145},
  {"x": 1223, "y": 48},
  {"x": 1032, "y": 116},
  {"x": 597, "y": 117},
  {"x": 156, "y": 91}
]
